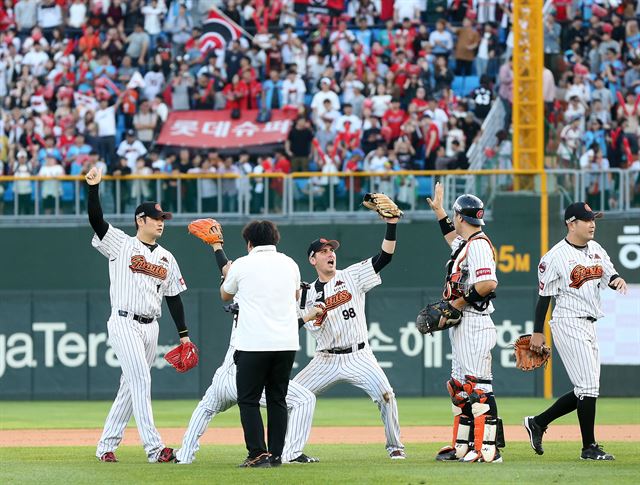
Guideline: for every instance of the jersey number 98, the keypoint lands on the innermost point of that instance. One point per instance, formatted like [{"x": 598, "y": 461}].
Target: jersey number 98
[{"x": 350, "y": 313}]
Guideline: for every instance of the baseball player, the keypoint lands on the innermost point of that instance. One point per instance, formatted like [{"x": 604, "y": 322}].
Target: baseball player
[
  {"x": 343, "y": 353},
  {"x": 141, "y": 274},
  {"x": 222, "y": 394},
  {"x": 470, "y": 285},
  {"x": 573, "y": 272}
]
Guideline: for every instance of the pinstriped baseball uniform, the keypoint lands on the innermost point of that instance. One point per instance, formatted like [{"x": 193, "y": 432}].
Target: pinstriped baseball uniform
[
  {"x": 139, "y": 278},
  {"x": 574, "y": 276},
  {"x": 473, "y": 339},
  {"x": 345, "y": 326},
  {"x": 222, "y": 394}
]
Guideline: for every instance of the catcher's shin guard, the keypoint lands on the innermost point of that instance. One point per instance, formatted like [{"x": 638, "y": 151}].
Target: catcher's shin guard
[
  {"x": 489, "y": 449},
  {"x": 461, "y": 428}
]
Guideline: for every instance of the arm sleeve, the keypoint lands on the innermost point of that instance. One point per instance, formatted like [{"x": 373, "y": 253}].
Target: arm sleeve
[
  {"x": 96, "y": 218},
  {"x": 380, "y": 260},
  {"x": 176, "y": 308},
  {"x": 541, "y": 313}
]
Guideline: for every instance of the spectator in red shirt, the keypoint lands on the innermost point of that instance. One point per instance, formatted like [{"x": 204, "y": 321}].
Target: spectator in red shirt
[
  {"x": 90, "y": 40},
  {"x": 236, "y": 92},
  {"x": 431, "y": 141},
  {"x": 254, "y": 89},
  {"x": 394, "y": 118}
]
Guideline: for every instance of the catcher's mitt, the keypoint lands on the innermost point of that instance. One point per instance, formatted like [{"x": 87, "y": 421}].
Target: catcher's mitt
[
  {"x": 382, "y": 204},
  {"x": 209, "y": 230},
  {"x": 527, "y": 359},
  {"x": 428, "y": 320},
  {"x": 183, "y": 357}
]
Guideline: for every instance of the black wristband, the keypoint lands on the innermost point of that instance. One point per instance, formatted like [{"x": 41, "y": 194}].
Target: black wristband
[
  {"x": 446, "y": 226},
  {"x": 473, "y": 296},
  {"x": 391, "y": 232},
  {"x": 221, "y": 258},
  {"x": 301, "y": 323},
  {"x": 613, "y": 278}
]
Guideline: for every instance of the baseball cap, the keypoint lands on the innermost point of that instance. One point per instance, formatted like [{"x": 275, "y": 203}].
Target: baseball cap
[
  {"x": 325, "y": 80},
  {"x": 607, "y": 28},
  {"x": 131, "y": 132},
  {"x": 22, "y": 153},
  {"x": 318, "y": 244},
  {"x": 153, "y": 210},
  {"x": 581, "y": 211}
]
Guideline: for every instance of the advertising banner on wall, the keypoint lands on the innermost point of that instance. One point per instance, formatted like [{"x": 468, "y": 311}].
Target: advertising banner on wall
[{"x": 216, "y": 129}]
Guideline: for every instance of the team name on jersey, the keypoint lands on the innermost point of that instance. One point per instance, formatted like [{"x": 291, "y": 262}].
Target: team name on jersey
[
  {"x": 332, "y": 302},
  {"x": 139, "y": 264},
  {"x": 581, "y": 274}
]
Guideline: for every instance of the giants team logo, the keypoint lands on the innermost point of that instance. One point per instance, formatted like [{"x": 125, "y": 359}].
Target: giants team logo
[
  {"x": 140, "y": 265},
  {"x": 542, "y": 267},
  {"x": 332, "y": 302},
  {"x": 581, "y": 274}
]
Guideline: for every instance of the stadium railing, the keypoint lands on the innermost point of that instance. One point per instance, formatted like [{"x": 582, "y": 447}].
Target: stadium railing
[{"x": 299, "y": 195}]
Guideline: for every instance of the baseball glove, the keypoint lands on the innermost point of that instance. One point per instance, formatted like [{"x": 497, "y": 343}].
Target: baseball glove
[
  {"x": 183, "y": 357},
  {"x": 428, "y": 320},
  {"x": 209, "y": 230},
  {"x": 527, "y": 359},
  {"x": 382, "y": 204}
]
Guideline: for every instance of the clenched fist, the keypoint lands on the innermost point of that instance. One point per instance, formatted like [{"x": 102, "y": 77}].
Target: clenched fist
[{"x": 94, "y": 176}]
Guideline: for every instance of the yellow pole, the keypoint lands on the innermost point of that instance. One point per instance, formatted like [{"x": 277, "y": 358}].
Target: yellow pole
[{"x": 544, "y": 247}]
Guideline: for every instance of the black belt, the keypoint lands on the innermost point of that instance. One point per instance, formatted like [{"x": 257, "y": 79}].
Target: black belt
[
  {"x": 348, "y": 350},
  {"x": 591, "y": 319},
  {"x": 137, "y": 318}
]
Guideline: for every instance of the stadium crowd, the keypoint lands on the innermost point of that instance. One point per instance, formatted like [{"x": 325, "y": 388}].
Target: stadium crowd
[{"x": 385, "y": 85}]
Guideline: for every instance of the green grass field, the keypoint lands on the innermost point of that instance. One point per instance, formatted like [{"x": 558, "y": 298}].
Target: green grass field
[
  {"x": 340, "y": 463},
  {"x": 329, "y": 412}
]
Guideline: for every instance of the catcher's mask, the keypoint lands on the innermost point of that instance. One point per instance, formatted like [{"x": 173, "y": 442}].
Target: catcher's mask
[{"x": 470, "y": 208}]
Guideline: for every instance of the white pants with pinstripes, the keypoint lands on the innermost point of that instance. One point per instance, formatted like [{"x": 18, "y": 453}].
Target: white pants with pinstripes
[
  {"x": 577, "y": 344},
  {"x": 362, "y": 370},
  {"x": 135, "y": 347},
  {"x": 471, "y": 344},
  {"x": 223, "y": 394}
]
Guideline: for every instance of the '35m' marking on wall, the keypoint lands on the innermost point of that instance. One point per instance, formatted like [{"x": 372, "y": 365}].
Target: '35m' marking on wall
[{"x": 508, "y": 260}]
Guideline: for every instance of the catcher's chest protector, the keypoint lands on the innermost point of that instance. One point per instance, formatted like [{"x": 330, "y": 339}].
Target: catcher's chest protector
[{"x": 455, "y": 285}]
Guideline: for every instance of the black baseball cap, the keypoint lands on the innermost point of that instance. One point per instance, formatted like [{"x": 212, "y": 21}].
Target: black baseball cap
[
  {"x": 581, "y": 211},
  {"x": 318, "y": 244},
  {"x": 153, "y": 210}
]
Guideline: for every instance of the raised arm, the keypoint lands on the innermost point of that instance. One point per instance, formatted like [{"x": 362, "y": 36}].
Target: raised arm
[
  {"x": 446, "y": 225},
  {"x": 96, "y": 219}
]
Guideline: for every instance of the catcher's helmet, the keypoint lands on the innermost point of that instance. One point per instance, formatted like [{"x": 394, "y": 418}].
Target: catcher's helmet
[{"x": 470, "y": 208}]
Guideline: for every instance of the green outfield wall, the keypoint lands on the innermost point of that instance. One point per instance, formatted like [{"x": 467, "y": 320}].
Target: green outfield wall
[{"x": 54, "y": 305}]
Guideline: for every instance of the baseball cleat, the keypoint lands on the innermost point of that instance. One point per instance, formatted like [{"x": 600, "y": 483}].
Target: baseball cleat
[
  {"x": 397, "y": 455},
  {"x": 497, "y": 459},
  {"x": 535, "y": 434},
  {"x": 166, "y": 455},
  {"x": 260, "y": 461},
  {"x": 304, "y": 459},
  {"x": 471, "y": 457},
  {"x": 595, "y": 452},
  {"x": 108, "y": 457}
]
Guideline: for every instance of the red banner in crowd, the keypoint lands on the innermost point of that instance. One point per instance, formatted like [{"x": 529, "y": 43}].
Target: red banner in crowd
[
  {"x": 216, "y": 129},
  {"x": 324, "y": 7}
]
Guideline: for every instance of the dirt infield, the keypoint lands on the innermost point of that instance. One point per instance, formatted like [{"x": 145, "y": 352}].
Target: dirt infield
[{"x": 319, "y": 435}]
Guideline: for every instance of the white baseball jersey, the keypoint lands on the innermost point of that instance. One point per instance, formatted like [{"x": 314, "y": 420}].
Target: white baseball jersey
[
  {"x": 345, "y": 327},
  {"x": 139, "y": 277},
  {"x": 575, "y": 277},
  {"x": 344, "y": 296},
  {"x": 222, "y": 394}
]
